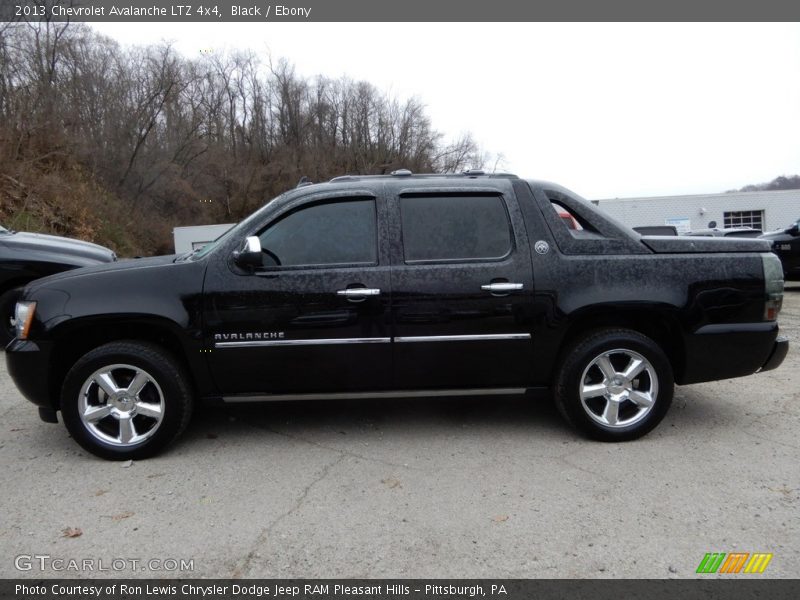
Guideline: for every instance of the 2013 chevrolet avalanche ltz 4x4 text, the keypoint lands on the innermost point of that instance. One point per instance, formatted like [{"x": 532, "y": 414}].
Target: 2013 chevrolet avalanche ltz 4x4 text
[{"x": 399, "y": 285}]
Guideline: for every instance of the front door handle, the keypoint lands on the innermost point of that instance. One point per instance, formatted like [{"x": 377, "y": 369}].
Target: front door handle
[
  {"x": 501, "y": 287},
  {"x": 357, "y": 292}
]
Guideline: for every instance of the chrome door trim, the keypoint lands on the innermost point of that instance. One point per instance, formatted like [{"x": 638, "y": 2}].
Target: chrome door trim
[
  {"x": 360, "y": 395},
  {"x": 463, "y": 338},
  {"x": 308, "y": 342},
  {"x": 375, "y": 340}
]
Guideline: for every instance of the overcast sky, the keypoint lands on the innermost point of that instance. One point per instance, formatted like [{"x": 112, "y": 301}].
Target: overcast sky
[{"x": 608, "y": 110}]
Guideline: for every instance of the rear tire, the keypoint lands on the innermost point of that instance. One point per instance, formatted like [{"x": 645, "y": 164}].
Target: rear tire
[
  {"x": 614, "y": 385},
  {"x": 126, "y": 400}
]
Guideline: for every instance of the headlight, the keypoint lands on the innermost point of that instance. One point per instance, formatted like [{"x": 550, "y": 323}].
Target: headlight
[{"x": 23, "y": 317}]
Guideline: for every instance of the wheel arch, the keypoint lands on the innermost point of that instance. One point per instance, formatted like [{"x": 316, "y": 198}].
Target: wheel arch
[
  {"x": 660, "y": 324},
  {"x": 75, "y": 338}
]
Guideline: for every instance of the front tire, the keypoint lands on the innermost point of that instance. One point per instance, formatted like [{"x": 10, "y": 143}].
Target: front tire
[
  {"x": 126, "y": 400},
  {"x": 614, "y": 385}
]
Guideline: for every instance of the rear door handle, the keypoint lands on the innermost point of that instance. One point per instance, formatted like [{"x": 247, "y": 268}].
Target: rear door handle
[
  {"x": 501, "y": 287},
  {"x": 357, "y": 292}
]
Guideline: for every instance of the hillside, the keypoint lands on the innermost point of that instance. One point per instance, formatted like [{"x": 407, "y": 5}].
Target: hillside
[
  {"x": 119, "y": 145},
  {"x": 782, "y": 182}
]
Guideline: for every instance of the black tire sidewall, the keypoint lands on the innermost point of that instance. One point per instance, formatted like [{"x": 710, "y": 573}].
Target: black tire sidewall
[
  {"x": 586, "y": 350},
  {"x": 160, "y": 365}
]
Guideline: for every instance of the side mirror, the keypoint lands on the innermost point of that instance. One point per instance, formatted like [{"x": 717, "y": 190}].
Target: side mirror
[
  {"x": 250, "y": 254},
  {"x": 794, "y": 229}
]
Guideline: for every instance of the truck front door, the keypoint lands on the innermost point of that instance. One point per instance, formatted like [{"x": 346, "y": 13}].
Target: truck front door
[{"x": 314, "y": 317}]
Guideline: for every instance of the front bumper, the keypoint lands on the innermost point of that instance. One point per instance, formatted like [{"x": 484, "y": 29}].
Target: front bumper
[
  {"x": 29, "y": 365},
  {"x": 779, "y": 351}
]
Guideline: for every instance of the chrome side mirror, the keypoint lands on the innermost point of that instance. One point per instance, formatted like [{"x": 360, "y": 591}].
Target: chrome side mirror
[{"x": 250, "y": 254}]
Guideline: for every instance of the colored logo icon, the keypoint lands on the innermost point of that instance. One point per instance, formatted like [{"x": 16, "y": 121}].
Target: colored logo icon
[{"x": 734, "y": 562}]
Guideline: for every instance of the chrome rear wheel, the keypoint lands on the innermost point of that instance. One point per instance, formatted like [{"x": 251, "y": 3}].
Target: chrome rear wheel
[
  {"x": 614, "y": 384},
  {"x": 618, "y": 388}
]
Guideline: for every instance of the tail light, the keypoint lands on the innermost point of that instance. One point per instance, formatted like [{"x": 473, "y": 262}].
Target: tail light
[{"x": 773, "y": 286}]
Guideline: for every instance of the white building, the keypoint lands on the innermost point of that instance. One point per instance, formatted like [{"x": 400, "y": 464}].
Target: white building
[
  {"x": 760, "y": 210},
  {"x": 195, "y": 237}
]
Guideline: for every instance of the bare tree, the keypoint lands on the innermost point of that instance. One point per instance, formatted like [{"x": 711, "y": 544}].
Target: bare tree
[{"x": 144, "y": 138}]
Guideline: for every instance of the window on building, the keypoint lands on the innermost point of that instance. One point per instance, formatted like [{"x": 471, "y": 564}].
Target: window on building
[{"x": 744, "y": 218}]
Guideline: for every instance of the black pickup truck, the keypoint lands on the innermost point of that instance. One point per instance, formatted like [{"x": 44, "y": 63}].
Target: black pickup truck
[{"x": 397, "y": 286}]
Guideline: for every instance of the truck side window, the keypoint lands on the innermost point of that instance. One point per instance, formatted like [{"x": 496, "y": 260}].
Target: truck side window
[
  {"x": 567, "y": 218},
  {"x": 454, "y": 228},
  {"x": 342, "y": 232}
]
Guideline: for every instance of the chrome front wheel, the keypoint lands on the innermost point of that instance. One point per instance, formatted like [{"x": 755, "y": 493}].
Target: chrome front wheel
[
  {"x": 121, "y": 405},
  {"x": 126, "y": 400}
]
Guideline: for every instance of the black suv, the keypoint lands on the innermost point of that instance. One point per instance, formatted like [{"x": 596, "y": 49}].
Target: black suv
[
  {"x": 786, "y": 244},
  {"x": 28, "y": 256},
  {"x": 400, "y": 285}
]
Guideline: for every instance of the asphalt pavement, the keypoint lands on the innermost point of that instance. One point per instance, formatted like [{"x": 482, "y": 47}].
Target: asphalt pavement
[{"x": 415, "y": 488}]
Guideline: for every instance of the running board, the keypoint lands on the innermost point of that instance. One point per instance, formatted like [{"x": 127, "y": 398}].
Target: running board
[{"x": 361, "y": 395}]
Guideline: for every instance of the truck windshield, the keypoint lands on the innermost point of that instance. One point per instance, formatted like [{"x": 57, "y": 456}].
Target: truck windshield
[{"x": 244, "y": 224}]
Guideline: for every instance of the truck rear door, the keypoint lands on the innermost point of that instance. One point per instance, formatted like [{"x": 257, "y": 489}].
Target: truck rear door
[{"x": 462, "y": 289}]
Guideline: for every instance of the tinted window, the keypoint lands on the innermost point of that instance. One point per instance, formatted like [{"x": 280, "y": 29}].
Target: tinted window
[
  {"x": 330, "y": 233},
  {"x": 454, "y": 227}
]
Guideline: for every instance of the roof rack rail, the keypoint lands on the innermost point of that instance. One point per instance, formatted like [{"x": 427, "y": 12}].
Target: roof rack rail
[
  {"x": 407, "y": 173},
  {"x": 304, "y": 181}
]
